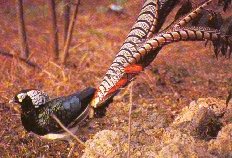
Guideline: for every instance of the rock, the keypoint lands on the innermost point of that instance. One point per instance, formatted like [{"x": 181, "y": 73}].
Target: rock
[
  {"x": 200, "y": 120},
  {"x": 205, "y": 124},
  {"x": 105, "y": 143},
  {"x": 181, "y": 145},
  {"x": 222, "y": 146},
  {"x": 186, "y": 114},
  {"x": 218, "y": 107},
  {"x": 203, "y": 129},
  {"x": 227, "y": 117}
]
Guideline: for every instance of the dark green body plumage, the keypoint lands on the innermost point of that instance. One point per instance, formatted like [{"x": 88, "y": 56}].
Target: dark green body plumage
[{"x": 67, "y": 109}]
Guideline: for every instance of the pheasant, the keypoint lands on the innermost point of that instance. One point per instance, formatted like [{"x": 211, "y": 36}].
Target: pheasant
[
  {"x": 37, "y": 112},
  {"x": 37, "y": 109}
]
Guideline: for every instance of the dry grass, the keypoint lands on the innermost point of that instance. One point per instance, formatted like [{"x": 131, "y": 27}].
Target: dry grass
[{"x": 181, "y": 73}]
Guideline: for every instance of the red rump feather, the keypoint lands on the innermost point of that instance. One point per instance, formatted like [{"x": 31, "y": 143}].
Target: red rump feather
[
  {"x": 122, "y": 82},
  {"x": 133, "y": 69}
]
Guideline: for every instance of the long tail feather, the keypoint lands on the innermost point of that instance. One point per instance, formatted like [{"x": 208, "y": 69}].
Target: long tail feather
[
  {"x": 187, "y": 34},
  {"x": 153, "y": 27},
  {"x": 184, "y": 17},
  {"x": 139, "y": 31},
  {"x": 192, "y": 15}
]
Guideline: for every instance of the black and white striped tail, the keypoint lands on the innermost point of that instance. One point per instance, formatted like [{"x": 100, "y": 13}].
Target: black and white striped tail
[{"x": 144, "y": 27}]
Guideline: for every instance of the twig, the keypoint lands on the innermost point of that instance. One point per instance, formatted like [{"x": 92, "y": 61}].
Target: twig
[
  {"x": 129, "y": 123},
  {"x": 50, "y": 74},
  {"x": 69, "y": 35},
  {"x": 29, "y": 63},
  {"x": 68, "y": 131}
]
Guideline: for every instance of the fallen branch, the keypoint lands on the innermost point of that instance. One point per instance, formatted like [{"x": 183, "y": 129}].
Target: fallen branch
[
  {"x": 68, "y": 131},
  {"x": 29, "y": 63}
]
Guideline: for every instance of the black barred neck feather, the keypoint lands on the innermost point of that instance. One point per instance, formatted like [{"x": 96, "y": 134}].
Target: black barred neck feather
[{"x": 31, "y": 98}]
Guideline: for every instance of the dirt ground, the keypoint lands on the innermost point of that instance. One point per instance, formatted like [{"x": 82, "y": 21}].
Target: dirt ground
[{"x": 182, "y": 73}]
